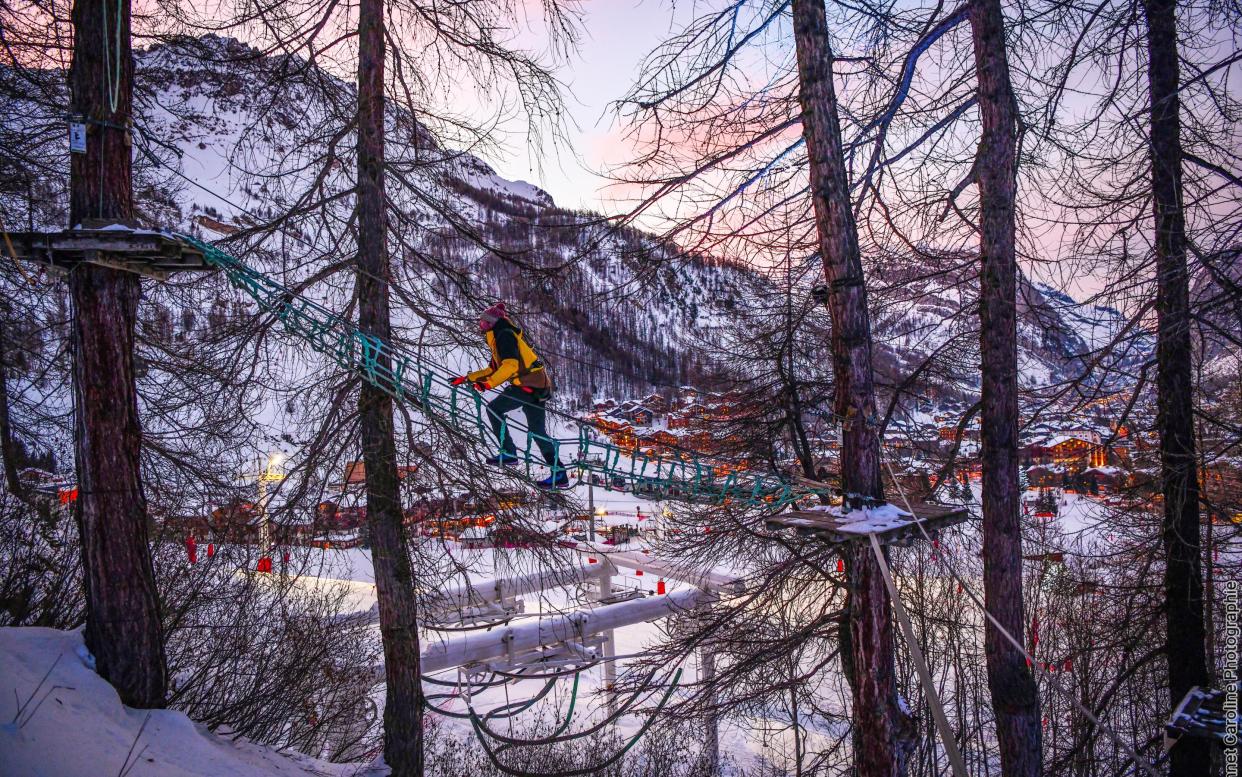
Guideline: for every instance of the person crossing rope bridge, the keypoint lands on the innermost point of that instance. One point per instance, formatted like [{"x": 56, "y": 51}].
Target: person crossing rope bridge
[
  {"x": 530, "y": 387},
  {"x": 685, "y": 474}
]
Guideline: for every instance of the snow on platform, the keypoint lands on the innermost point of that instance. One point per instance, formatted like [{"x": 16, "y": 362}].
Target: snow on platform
[
  {"x": 890, "y": 524},
  {"x": 72, "y": 724}
]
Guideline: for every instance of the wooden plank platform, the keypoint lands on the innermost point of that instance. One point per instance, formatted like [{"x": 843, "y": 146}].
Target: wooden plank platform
[
  {"x": 1201, "y": 714},
  {"x": 141, "y": 251},
  {"x": 890, "y": 525}
]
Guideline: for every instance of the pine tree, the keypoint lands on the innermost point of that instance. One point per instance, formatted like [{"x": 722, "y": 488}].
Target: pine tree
[
  {"x": 880, "y": 741},
  {"x": 123, "y": 625},
  {"x": 390, "y": 551}
]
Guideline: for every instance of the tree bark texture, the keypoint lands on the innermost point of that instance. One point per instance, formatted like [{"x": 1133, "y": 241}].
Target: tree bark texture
[
  {"x": 394, "y": 579},
  {"x": 8, "y": 443},
  {"x": 1183, "y": 579},
  {"x": 1015, "y": 697},
  {"x": 881, "y": 743},
  {"x": 123, "y": 627}
]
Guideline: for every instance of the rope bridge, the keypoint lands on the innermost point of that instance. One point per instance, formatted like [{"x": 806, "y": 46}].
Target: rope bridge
[{"x": 409, "y": 378}]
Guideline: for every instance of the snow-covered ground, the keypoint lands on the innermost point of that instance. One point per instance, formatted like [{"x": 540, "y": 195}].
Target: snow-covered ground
[
  {"x": 1080, "y": 519},
  {"x": 321, "y": 569},
  {"x": 50, "y": 686},
  {"x": 63, "y": 720}
]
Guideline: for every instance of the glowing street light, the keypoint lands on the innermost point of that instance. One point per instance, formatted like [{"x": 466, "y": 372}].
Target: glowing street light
[{"x": 268, "y": 474}]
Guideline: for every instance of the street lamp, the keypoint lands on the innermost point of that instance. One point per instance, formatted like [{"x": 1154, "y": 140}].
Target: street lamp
[
  {"x": 596, "y": 512},
  {"x": 585, "y": 472},
  {"x": 267, "y": 474}
]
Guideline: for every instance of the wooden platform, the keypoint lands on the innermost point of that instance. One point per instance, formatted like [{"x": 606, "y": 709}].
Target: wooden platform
[
  {"x": 1201, "y": 714},
  {"x": 835, "y": 529},
  {"x": 145, "y": 252}
]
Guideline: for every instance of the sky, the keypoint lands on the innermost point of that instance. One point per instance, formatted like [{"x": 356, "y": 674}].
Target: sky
[{"x": 616, "y": 36}]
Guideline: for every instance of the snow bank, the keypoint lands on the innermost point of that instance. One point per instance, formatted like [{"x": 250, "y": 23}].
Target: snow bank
[{"x": 72, "y": 722}]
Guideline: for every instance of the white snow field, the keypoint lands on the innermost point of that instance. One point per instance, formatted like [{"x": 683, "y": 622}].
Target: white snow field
[
  {"x": 57, "y": 717},
  {"x": 63, "y": 720}
]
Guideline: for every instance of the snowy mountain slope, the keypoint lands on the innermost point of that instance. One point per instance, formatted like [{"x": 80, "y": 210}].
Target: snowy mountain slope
[
  {"x": 612, "y": 309},
  {"x": 230, "y": 139},
  {"x": 606, "y": 320},
  {"x": 1099, "y": 326},
  {"x": 928, "y": 310}
]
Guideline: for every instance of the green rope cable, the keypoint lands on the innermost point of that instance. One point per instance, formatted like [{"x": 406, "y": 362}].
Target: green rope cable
[
  {"x": 482, "y": 686},
  {"x": 569, "y": 717},
  {"x": 504, "y": 711},
  {"x": 112, "y": 81},
  {"x": 397, "y": 374},
  {"x": 493, "y": 755},
  {"x": 573, "y": 701},
  {"x": 621, "y": 710},
  {"x": 522, "y": 706},
  {"x": 560, "y": 729}
]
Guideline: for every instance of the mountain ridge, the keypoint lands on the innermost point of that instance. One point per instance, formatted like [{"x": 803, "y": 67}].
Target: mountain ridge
[{"x": 619, "y": 311}]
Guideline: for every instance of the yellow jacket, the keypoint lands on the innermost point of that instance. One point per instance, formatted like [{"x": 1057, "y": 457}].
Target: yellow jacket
[{"x": 512, "y": 359}]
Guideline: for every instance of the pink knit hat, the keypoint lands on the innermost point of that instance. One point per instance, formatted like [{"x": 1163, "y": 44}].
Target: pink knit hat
[{"x": 489, "y": 317}]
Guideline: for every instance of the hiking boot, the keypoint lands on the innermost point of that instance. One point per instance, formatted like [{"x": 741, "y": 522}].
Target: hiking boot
[
  {"x": 558, "y": 480},
  {"x": 503, "y": 460}
]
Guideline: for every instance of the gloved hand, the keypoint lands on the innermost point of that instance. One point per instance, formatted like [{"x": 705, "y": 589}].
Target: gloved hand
[
  {"x": 482, "y": 385},
  {"x": 459, "y": 380}
]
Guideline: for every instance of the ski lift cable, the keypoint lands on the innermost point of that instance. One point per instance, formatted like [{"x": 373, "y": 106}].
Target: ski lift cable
[{"x": 1126, "y": 747}]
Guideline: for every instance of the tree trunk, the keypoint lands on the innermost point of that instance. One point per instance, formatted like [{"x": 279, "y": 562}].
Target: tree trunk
[
  {"x": 394, "y": 580},
  {"x": 1183, "y": 582},
  {"x": 123, "y": 628},
  {"x": 881, "y": 743},
  {"x": 8, "y": 443},
  {"x": 1015, "y": 697}
]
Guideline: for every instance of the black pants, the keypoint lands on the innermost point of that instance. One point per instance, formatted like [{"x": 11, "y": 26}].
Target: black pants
[{"x": 533, "y": 404}]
